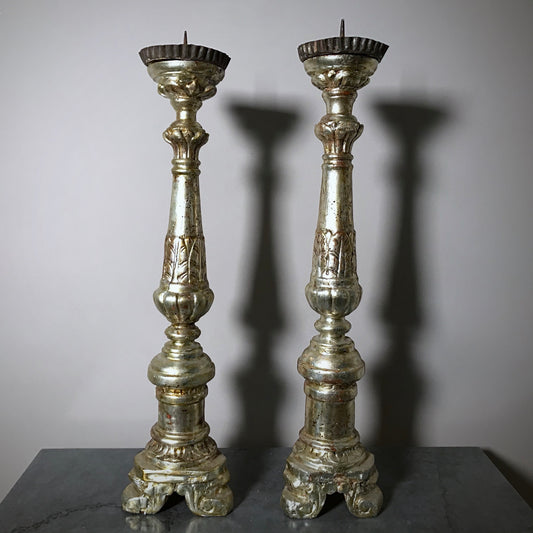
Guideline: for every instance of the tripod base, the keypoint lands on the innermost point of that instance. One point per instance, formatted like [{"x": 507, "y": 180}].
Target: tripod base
[
  {"x": 153, "y": 481},
  {"x": 316, "y": 469}
]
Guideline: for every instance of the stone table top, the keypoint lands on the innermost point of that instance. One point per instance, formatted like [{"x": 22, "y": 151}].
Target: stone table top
[{"x": 425, "y": 490}]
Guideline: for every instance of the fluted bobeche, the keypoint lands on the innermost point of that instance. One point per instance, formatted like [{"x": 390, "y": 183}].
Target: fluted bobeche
[
  {"x": 181, "y": 457},
  {"x": 328, "y": 455}
]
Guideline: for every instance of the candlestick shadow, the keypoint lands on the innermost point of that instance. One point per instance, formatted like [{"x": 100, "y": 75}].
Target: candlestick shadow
[
  {"x": 258, "y": 384},
  {"x": 398, "y": 381}
]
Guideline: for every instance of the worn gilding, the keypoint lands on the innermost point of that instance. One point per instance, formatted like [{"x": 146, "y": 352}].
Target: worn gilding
[
  {"x": 328, "y": 456},
  {"x": 181, "y": 457}
]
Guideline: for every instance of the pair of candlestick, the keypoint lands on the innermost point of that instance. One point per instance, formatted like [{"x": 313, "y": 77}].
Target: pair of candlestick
[{"x": 328, "y": 456}]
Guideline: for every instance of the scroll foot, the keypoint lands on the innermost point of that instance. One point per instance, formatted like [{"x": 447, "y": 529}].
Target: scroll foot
[
  {"x": 301, "y": 499},
  {"x": 364, "y": 500},
  {"x": 145, "y": 497},
  {"x": 213, "y": 498}
]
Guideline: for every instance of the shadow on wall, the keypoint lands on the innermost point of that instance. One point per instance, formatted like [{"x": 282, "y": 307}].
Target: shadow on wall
[
  {"x": 399, "y": 385},
  {"x": 260, "y": 389}
]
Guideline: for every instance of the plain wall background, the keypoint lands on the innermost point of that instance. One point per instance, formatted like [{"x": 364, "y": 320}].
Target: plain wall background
[{"x": 443, "y": 192}]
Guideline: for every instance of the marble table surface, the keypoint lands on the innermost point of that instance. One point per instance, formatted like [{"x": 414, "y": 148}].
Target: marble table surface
[{"x": 425, "y": 490}]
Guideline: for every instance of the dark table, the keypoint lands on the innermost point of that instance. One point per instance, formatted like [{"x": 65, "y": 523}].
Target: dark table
[{"x": 426, "y": 490}]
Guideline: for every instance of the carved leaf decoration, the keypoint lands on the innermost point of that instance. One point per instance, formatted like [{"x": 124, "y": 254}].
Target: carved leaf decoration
[
  {"x": 340, "y": 78},
  {"x": 169, "y": 262},
  {"x": 338, "y": 136},
  {"x": 191, "y": 88},
  {"x": 332, "y": 251},
  {"x": 185, "y": 141},
  {"x": 184, "y": 260},
  {"x": 182, "y": 274},
  {"x": 334, "y": 254}
]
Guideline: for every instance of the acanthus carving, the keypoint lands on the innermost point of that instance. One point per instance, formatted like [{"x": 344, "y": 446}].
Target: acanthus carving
[
  {"x": 185, "y": 84},
  {"x": 351, "y": 455},
  {"x": 185, "y": 139},
  {"x": 340, "y": 78},
  {"x": 338, "y": 134},
  {"x": 184, "y": 260},
  {"x": 203, "y": 450},
  {"x": 334, "y": 254}
]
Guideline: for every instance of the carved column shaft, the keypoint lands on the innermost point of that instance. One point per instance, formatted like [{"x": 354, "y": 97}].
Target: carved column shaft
[
  {"x": 333, "y": 290},
  {"x": 183, "y": 295}
]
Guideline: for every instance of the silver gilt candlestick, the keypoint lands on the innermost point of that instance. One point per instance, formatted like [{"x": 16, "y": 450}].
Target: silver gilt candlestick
[
  {"x": 328, "y": 456},
  {"x": 181, "y": 457}
]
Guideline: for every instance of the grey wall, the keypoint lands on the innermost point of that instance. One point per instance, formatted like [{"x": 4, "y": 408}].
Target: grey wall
[{"x": 443, "y": 191}]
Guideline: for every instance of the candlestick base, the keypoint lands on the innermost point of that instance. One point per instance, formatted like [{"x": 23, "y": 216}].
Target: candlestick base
[
  {"x": 316, "y": 469},
  {"x": 203, "y": 484}
]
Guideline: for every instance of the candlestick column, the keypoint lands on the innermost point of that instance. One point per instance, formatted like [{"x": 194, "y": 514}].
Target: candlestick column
[
  {"x": 328, "y": 456},
  {"x": 181, "y": 457}
]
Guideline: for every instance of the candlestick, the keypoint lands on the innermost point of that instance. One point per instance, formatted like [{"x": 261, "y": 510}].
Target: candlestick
[
  {"x": 181, "y": 457},
  {"x": 328, "y": 455}
]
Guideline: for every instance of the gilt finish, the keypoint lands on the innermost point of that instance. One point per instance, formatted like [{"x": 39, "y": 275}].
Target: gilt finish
[
  {"x": 181, "y": 457},
  {"x": 328, "y": 456}
]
